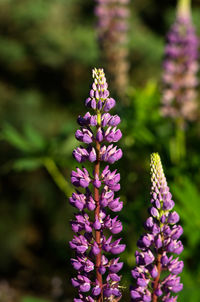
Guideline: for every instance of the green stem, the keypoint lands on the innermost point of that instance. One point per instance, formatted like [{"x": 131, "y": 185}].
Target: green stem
[
  {"x": 57, "y": 176},
  {"x": 184, "y": 8},
  {"x": 178, "y": 142},
  {"x": 180, "y": 139}
]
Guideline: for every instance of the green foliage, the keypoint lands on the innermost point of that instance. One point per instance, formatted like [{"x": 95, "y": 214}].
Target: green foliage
[
  {"x": 33, "y": 299},
  {"x": 188, "y": 206},
  {"x": 27, "y": 164},
  {"x": 145, "y": 111},
  {"x": 34, "y": 146},
  {"x": 191, "y": 286},
  {"x": 13, "y": 137},
  {"x": 36, "y": 152},
  {"x": 11, "y": 51}
]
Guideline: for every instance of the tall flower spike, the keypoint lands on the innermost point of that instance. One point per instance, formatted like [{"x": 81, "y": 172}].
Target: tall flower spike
[
  {"x": 97, "y": 277},
  {"x": 180, "y": 67},
  {"x": 158, "y": 244},
  {"x": 112, "y": 27}
]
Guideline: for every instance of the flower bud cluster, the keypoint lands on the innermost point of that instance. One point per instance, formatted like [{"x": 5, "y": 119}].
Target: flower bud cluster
[
  {"x": 97, "y": 273},
  {"x": 157, "y": 245},
  {"x": 180, "y": 70},
  {"x": 112, "y": 30}
]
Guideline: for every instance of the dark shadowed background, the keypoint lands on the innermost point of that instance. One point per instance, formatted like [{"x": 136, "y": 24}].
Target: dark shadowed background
[{"x": 47, "y": 51}]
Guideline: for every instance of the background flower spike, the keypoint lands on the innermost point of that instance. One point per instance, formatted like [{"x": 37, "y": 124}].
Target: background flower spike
[
  {"x": 180, "y": 81},
  {"x": 180, "y": 67},
  {"x": 112, "y": 31}
]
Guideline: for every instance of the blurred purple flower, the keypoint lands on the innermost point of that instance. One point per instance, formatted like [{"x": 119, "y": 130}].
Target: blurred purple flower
[
  {"x": 180, "y": 68},
  {"x": 112, "y": 27}
]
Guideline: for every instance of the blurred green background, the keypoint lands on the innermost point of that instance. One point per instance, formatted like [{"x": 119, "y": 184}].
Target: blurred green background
[{"x": 47, "y": 51}]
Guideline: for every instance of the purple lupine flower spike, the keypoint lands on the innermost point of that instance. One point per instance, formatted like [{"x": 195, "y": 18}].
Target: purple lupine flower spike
[
  {"x": 112, "y": 27},
  {"x": 158, "y": 244},
  {"x": 180, "y": 68},
  {"x": 97, "y": 277}
]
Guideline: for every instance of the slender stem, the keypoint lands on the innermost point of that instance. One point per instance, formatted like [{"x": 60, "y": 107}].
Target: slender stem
[
  {"x": 97, "y": 213},
  {"x": 180, "y": 138},
  {"x": 157, "y": 279},
  {"x": 57, "y": 176},
  {"x": 178, "y": 142}
]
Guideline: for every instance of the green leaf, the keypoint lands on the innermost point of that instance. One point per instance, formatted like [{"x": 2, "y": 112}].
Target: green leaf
[
  {"x": 187, "y": 196},
  {"x": 27, "y": 164},
  {"x": 191, "y": 283},
  {"x": 34, "y": 137},
  {"x": 11, "y": 51},
  {"x": 64, "y": 147},
  {"x": 144, "y": 135},
  {"x": 33, "y": 299},
  {"x": 11, "y": 135}
]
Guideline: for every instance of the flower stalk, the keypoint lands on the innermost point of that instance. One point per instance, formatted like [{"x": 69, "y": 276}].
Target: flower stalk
[
  {"x": 157, "y": 279},
  {"x": 97, "y": 212}
]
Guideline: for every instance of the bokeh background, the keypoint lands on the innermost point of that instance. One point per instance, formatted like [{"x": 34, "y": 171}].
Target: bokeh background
[{"x": 47, "y": 51}]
